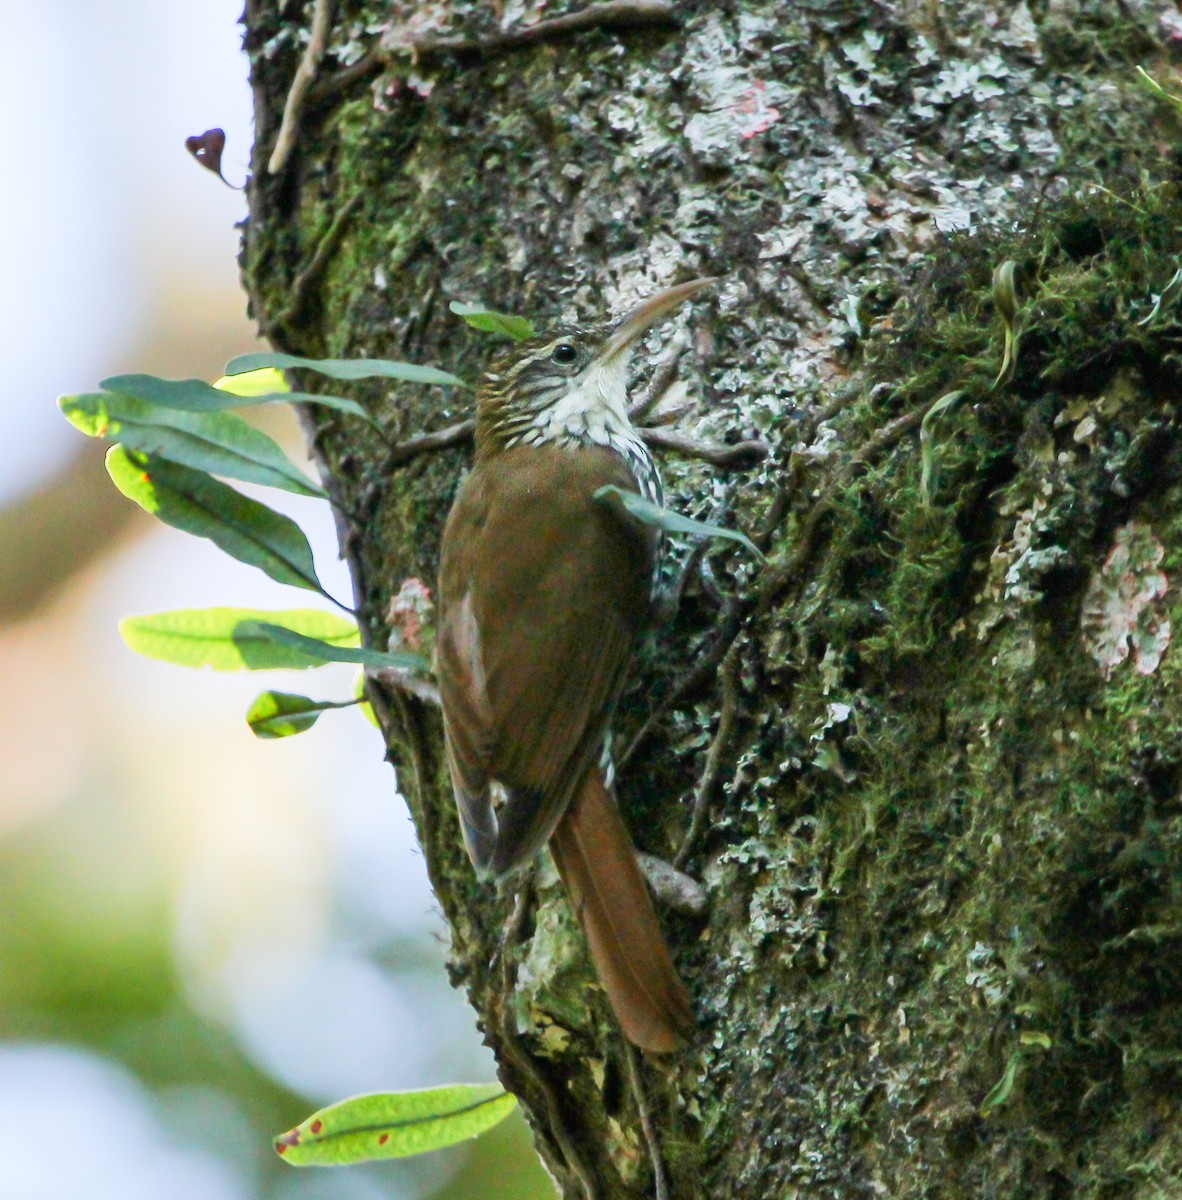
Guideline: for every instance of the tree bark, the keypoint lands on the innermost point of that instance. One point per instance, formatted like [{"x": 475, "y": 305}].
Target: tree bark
[{"x": 942, "y": 834}]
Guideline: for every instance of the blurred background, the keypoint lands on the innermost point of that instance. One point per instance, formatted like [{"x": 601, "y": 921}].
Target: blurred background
[{"x": 203, "y": 936}]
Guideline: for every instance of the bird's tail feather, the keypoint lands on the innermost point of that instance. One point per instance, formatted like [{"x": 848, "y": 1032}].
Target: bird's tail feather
[{"x": 597, "y": 862}]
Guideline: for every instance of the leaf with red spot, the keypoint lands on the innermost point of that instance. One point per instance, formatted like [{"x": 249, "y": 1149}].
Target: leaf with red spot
[
  {"x": 195, "y": 502},
  {"x": 394, "y": 1124},
  {"x": 221, "y": 443}
]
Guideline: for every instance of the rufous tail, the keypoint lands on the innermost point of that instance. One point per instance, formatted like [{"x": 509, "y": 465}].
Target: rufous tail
[{"x": 597, "y": 863}]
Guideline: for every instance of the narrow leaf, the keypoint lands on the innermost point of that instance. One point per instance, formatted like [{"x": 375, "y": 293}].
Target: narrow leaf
[
  {"x": 927, "y": 448},
  {"x": 345, "y": 368},
  {"x": 488, "y": 320},
  {"x": 1161, "y": 302},
  {"x": 199, "y": 504},
  {"x": 219, "y": 442},
  {"x": 212, "y": 637},
  {"x": 395, "y": 1124},
  {"x": 1003, "y": 1088},
  {"x": 1005, "y": 300},
  {"x": 636, "y": 506},
  {"x": 195, "y": 395},
  {"x": 1158, "y": 90},
  {"x": 281, "y": 714},
  {"x": 328, "y": 652}
]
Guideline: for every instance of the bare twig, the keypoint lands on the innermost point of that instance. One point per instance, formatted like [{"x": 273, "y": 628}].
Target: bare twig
[
  {"x": 703, "y": 670},
  {"x": 301, "y": 85},
  {"x": 611, "y": 14},
  {"x": 426, "y": 443},
  {"x": 663, "y": 375},
  {"x": 731, "y": 458},
  {"x": 736, "y": 457},
  {"x": 660, "y": 1178},
  {"x": 722, "y": 736},
  {"x": 321, "y": 256},
  {"x": 672, "y": 889}
]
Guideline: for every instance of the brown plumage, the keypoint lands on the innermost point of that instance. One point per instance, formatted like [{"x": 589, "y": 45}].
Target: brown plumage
[{"x": 543, "y": 595}]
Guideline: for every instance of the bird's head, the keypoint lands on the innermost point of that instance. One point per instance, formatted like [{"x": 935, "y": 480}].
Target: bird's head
[{"x": 569, "y": 383}]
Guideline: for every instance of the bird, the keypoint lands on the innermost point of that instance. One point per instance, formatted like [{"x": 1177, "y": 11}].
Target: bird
[{"x": 544, "y": 593}]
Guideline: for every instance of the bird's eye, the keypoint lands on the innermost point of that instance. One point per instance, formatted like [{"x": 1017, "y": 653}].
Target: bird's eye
[{"x": 564, "y": 354}]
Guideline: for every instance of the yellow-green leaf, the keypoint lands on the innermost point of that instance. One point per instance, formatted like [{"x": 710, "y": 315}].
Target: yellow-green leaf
[
  {"x": 197, "y": 503},
  {"x": 266, "y": 381},
  {"x": 282, "y": 714},
  {"x": 212, "y": 637},
  {"x": 394, "y": 1124},
  {"x": 221, "y": 443}
]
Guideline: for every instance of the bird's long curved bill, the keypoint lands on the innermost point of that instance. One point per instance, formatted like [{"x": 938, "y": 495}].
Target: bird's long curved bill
[{"x": 646, "y": 314}]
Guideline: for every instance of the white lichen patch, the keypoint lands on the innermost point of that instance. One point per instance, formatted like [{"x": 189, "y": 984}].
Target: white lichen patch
[{"x": 1120, "y": 610}]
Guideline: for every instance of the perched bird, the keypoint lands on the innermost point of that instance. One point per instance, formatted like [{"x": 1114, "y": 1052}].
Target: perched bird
[{"x": 543, "y": 595}]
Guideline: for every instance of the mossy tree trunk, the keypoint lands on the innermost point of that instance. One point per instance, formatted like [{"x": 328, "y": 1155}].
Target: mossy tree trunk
[{"x": 941, "y": 951}]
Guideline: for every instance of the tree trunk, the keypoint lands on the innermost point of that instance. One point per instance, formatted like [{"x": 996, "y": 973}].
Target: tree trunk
[{"x": 943, "y": 840}]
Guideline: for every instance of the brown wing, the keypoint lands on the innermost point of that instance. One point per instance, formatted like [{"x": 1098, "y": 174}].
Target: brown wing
[{"x": 543, "y": 593}]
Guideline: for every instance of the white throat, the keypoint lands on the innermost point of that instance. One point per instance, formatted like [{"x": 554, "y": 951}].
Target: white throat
[{"x": 594, "y": 410}]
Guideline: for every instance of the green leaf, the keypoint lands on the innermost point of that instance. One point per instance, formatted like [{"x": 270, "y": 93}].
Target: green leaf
[
  {"x": 199, "y": 504},
  {"x": 1005, "y": 300},
  {"x": 1158, "y": 90},
  {"x": 634, "y": 505},
  {"x": 212, "y": 637},
  {"x": 1001, "y": 1090},
  {"x": 927, "y": 448},
  {"x": 219, "y": 442},
  {"x": 488, "y": 320},
  {"x": 1167, "y": 297},
  {"x": 1035, "y": 1037},
  {"x": 281, "y": 714},
  {"x": 195, "y": 395},
  {"x": 345, "y": 368},
  {"x": 327, "y": 652},
  {"x": 394, "y": 1124}
]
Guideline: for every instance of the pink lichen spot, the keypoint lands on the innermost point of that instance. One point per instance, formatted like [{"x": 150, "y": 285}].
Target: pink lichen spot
[
  {"x": 1119, "y": 609},
  {"x": 753, "y": 113},
  {"x": 316, "y": 1126},
  {"x": 408, "y": 616},
  {"x": 280, "y": 1147},
  {"x": 383, "y": 1139}
]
